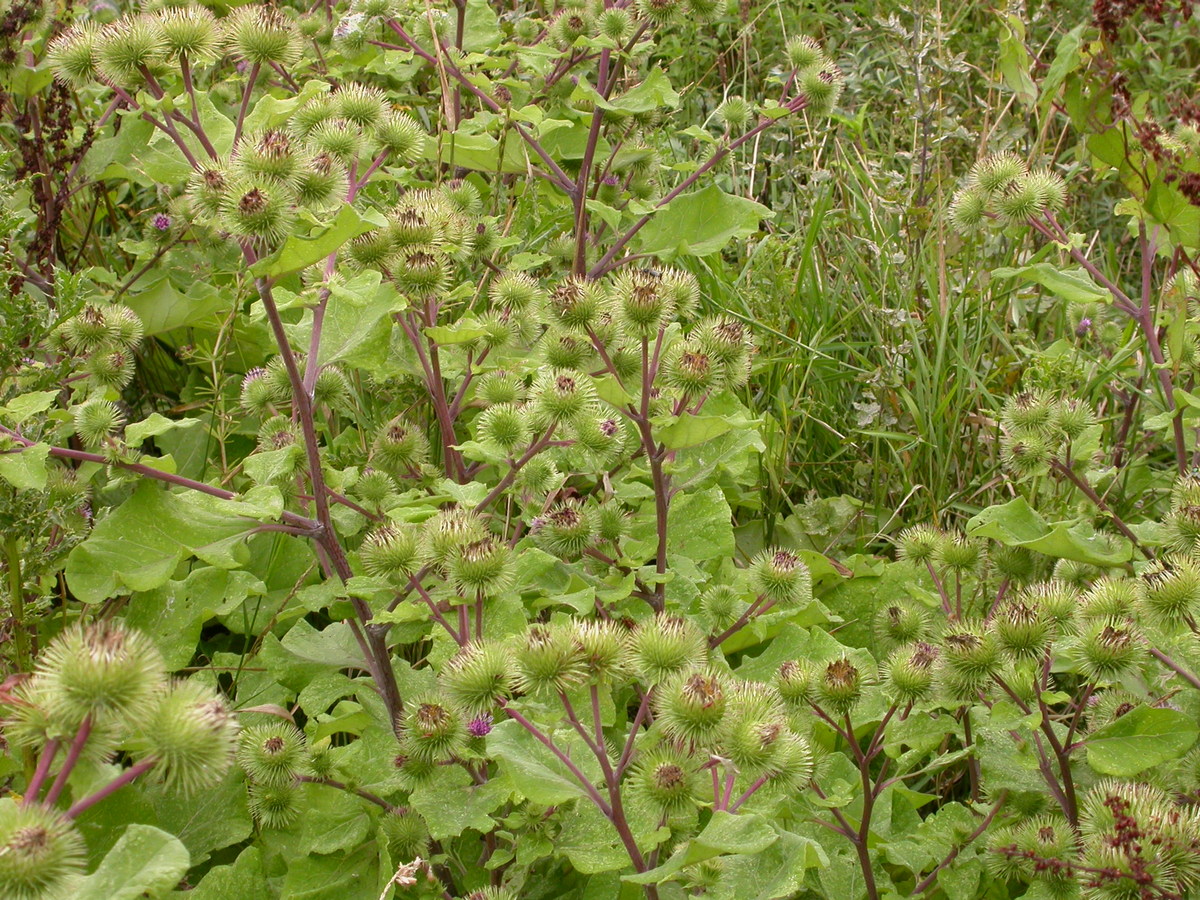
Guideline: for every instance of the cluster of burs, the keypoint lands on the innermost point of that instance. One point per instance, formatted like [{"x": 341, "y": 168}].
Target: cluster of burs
[{"x": 99, "y": 690}]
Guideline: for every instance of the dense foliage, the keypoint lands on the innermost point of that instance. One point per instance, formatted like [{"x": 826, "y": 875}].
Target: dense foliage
[{"x": 506, "y": 450}]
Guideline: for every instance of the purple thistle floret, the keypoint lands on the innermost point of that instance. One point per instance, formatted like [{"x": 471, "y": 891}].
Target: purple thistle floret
[
  {"x": 480, "y": 726},
  {"x": 162, "y": 222}
]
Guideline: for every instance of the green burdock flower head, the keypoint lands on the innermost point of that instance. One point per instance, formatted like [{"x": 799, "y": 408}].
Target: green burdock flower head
[
  {"x": 400, "y": 448},
  {"x": 1022, "y": 631},
  {"x": 104, "y": 672},
  {"x": 668, "y": 778},
  {"x": 273, "y": 754},
  {"x": 549, "y": 660},
  {"x": 480, "y": 677},
  {"x": 431, "y": 730},
  {"x": 390, "y": 551},
  {"x": 1106, "y": 649},
  {"x": 1170, "y": 591},
  {"x": 42, "y": 854},
  {"x": 780, "y": 576},
  {"x": 901, "y": 622},
  {"x": 909, "y": 672},
  {"x": 484, "y": 567},
  {"x": 262, "y": 35},
  {"x": 661, "y": 647},
  {"x": 191, "y": 734},
  {"x": 690, "y": 707}
]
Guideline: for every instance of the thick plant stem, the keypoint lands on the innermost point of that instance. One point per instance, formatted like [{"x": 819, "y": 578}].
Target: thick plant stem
[
  {"x": 16, "y": 605},
  {"x": 126, "y": 777},
  {"x": 373, "y": 643},
  {"x": 81, "y": 738}
]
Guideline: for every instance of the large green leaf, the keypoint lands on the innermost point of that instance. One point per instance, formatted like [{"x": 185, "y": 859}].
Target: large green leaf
[
  {"x": 25, "y": 468},
  {"x": 701, "y": 223},
  {"x": 1141, "y": 739},
  {"x": 535, "y": 771},
  {"x": 725, "y": 833},
  {"x": 1017, "y": 524},
  {"x": 298, "y": 252},
  {"x": 137, "y": 546},
  {"x": 146, "y": 862},
  {"x": 450, "y": 802},
  {"x": 243, "y": 879},
  {"x": 1073, "y": 285}
]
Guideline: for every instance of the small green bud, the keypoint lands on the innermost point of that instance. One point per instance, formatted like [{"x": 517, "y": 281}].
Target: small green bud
[
  {"x": 549, "y": 661},
  {"x": 208, "y": 191},
  {"x": 960, "y": 553},
  {"x": 1107, "y": 649},
  {"x": 312, "y": 114},
  {"x": 320, "y": 182},
  {"x": 603, "y": 646},
  {"x": 479, "y": 678},
  {"x": 128, "y": 48},
  {"x": 661, "y": 12},
  {"x": 566, "y": 530},
  {"x": 338, "y": 139},
  {"x": 559, "y": 396},
  {"x": 257, "y": 211},
  {"x": 444, "y": 535},
  {"x": 400, "y": 136},
  {"x": 909, "y": 672},
  {"x": 405, "y": 834},
  {"x": 360, "y": 105},
  {"x": 272, "y": 754},
  {"x": 665, "y": 645},
  {"x": 189, "y": 31},
  {"x": 901, "y": 623},
  {"x": 690, "y": 371},
  {"x": 839, "y": 686},
  {"x": 191, "y": 734},
  {"x": 1026, "y": 453},
  {"x": 1022, "y": 631},
  {"x": 668, "y": 778},
  {"x": 1058, "y": 601},
  {"x": 735, "y": 114},
  {"x": 104, "y": 671},
  {"x": 1051, "y": 190},
  {"x": 506, "y": 426},
  {"x": 971, "y": 653},
  {"x": 1016, "y": 564},
  {"x": 390, "y": 551},
  {"x": 96, "y": 421},
  {"x": 399, "y": 448},
  {"x": 610, "y": 521},
  {"x": 995, "y": 173},
  {"x": 691, "y": 706},
  {"x": 616, "y": 25},
  {"x": 274, "y": 806},
  {"x": 42, "y": 855},
  {"x": 72, "y": 55},
  {"x": 420, "y": 269},
  {"x": 781, "y": 577},
  {"x": 603, "y": 437},
  {"x": 262, "y": 35},
  {"x": 920, "y": 544},
  {"x": 113, "y": 369},
  {"x": 499, "y": 387},
  {"x": 517, "y": 291},
  {"x": 755, "y": 729},
  {"x": 804, "y": 52},
  {"x": 1170, "y": 591},
  {"x": 1110, "y": 598},
  {"x": 796, "y": 683},
  {"x": 822, "y": 88},
  {"x": 1020, "y": 201},
  {"x": 431, "y": 730},
  {"x": 721, "y": 606},
  {"x": 575, "y": 302},
  {"x": 969, "y": 209},
  {"x": 644, "y": 307},
  {"x": 484, "y": 567}
]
